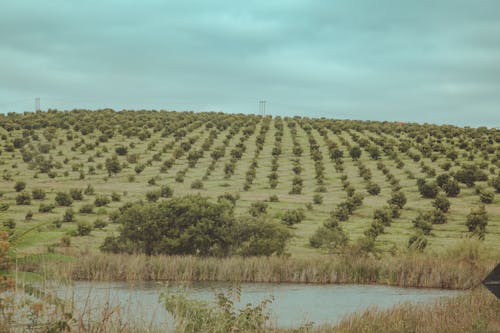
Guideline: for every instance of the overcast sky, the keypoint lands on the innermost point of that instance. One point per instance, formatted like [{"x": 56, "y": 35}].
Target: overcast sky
[{"x": 424, "y": 61}]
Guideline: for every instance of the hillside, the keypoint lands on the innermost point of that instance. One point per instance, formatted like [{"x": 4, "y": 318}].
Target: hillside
[{"x": 291, "y": 163}]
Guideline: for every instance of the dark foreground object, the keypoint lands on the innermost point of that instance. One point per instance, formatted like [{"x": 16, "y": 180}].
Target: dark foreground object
[{"x": 492, "y": 281}]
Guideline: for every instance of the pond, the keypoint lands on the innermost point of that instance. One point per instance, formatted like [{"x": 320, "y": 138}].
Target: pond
[{"x": 293, "y": 304}]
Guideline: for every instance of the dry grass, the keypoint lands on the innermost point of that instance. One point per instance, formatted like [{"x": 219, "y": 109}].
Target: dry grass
[{"x": 477, "y": 311}]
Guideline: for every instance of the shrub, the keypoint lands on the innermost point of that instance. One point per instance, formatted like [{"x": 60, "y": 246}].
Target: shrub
[
  {"x": 113, "y": 165},
  {"x": 328, "y": 238},
  {"x": 383, "y": 215},
  {"x": 341, "y": 213},
  {"x": 317, "y": 199},
  {"x": 69, "y": 215},
  {"x": 442, "y": 203},
  {"x": 101, "y": 200},
  {"x": 153, "y": 196},
  {"x": 422, "y": 222},
  {"x": 257, "y": 208},
  {"x": 87, "y": 209},
  {"x": 23, "y": 198},
  {"x": 89, "y": 190},
  {"x": 10, "y": 224},
  {"x": 115, "y": 197},
  {"x": 486, "y": 196},
  {"x": 427, "y": 190},
  {"x": 397, "y": 199},
  {"x": 437, "y": 216},
  {"x": 46, "y": 208},
  {"x": 197, "y": 184},
  {"x": 38, "y": 194},
  {"x": 259, "y": 236},
  {"x": 121, "y": 150},
  {"x": 100, "y": 224},
  {"x": 166, "y": 191},
  {"x": 65, "y": 241},
  {"x": 273, "y": 198},
  {"x": 76, "y": 194},
  {"x": 293, "y": 216},
  {"x": 355, "y": 152},
  {"x": 417, "y": 242},
  {"x": 139, "y": 168},
  {"x": 63, "y": 199},
  {"x": 376, "y": 228},
  {"x": 477, "y": 220},
  {"x": 19, "y": 186},
  {"x": 495, "y": 182},
  {"x": 83, "y": 228},
  {"x": 57, "y": 223},
  {"x": 28, "y": 216},
  {"x": 469, "y": 174},
  {"x": 451, "y": 188},
  {"x": 373, "y": 188}
]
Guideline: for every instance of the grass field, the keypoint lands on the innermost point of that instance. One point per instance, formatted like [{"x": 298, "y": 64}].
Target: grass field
[{"x": 72, "y": 146}]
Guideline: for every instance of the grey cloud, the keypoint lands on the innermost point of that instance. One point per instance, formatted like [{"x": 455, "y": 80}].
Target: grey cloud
[{"x": 422, "y": 61}]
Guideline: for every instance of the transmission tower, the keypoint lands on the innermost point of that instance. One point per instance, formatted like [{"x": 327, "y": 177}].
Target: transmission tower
[
  {"x": 262, "y": 108},
  {"x": 37, "y": 104}
]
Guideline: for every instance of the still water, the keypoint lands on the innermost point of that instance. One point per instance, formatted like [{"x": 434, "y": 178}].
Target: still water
[{"x": 293, "y": 304}]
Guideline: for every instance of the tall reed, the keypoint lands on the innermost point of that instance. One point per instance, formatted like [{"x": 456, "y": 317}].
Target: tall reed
[{"x": 411, "y": 270}]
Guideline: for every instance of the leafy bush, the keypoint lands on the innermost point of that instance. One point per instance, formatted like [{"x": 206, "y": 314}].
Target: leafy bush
[
  {"x": 87, "y": 209},
  {"x": 328, "y": 238},
  {"x": 76, "y": 194},
  {"x": 121, "y": 150},
  {"x": 153, "y": 196},
  {"x": 19, "y": 186},
  {"x": 83, "y": 228},
  {"x": 46, "y": 208},
  {"x": 317, "y": 199},
  {"x": 115, "y": 197},
  {"x": 89, "y": 190},
  {"x": 101, "y": 200},
  {"x": 38, "y": 194},
  {"x": 417, "y": 242},
  {"x": 195, "y": 316},
  {"x": 442, "y": 203},
  {"x": 293, "y": 216},
  {"x": 197, "y": 184},
  {"x": 384, "y": 216},
  {"x": 69, "y": 215},
  {"x": 428, "y": 190},
  {"x": 423, "y": 222},
  {"x": 100, "y": 224},
  {"x": 486, "y": 196},
  {"x": 469, "y": 174},
  {"x": 63, "y": 199},
  {"x": 166, "y": 191},
  {"x": 355, "y": 153},
  {"x": 477, "y": 220},
  {"x": 397, "y": 199},
  {"x": 23, "y": 198},
  {"x": 273, "y": 198},
  {"x": 495, "y": 182},
  {"x": 257, "y": 208},
  {"x": 451, "y": 188},
  {"x": 376, "y": 228},
  {"x": 373, "y": 188},
  {"x": 258, "y": 237}
]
